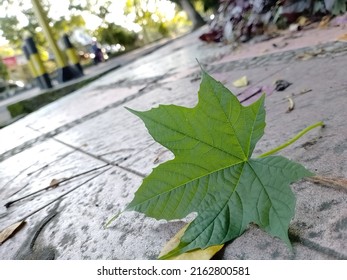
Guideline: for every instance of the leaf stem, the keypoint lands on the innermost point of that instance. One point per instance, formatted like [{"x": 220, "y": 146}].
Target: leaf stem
[{"x": 291, "y": 141}]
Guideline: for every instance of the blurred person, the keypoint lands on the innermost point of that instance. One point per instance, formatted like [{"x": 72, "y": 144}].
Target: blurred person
[{"x": 98, "y": 55}]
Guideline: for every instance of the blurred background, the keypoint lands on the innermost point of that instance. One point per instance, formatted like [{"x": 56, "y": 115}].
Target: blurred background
[{"x": 102, "y": 29}]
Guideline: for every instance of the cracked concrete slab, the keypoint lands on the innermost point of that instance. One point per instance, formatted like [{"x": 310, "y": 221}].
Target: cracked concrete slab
[
  {"x": 76, "y": 106},
  {"x": 80, "y": 232},
  {"x": 255, "y": 244},
  {"x": 307, "y": 75},
  {"x": 14, "y": 135},
  {"x": 321, "y": 223},
  {"x": 77, "y": 231},
  {"x": 33, "y": 170}
]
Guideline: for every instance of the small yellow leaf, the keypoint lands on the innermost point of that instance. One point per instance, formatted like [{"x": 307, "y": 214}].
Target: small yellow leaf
[
  {"x": 199, "y": 254},
  {"x": 302, "y": 21},
  {"x": 10, "y": 231},
  {"x": 242, "y": 82}
]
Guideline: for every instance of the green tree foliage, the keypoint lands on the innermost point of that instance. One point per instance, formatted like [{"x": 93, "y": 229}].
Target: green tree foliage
[
  {"x": 95, "y": 7},
  {"x": 115, "y": 34},
  {"x": 15, "y": 33},
  {"x": 153, "y": 21},
  {"x": 4, "y": 75},
  {"x": 63, "y": 25}
]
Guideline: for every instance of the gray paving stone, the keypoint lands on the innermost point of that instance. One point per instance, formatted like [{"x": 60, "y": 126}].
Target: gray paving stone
[
  {"x": 14, "y": 135},
  {"x": 180, "y": 55},
  {"x": 115, "y": 135},
  {"x": 76, "y": 106},
  {"x": 33, "y": 170},
  {"x": 321, "y": 219},
  {"x": 80, "y": 234},
  {"x": 256, "y": 244},
  {"x": 308, "y": 75},
  {"x": 77, "y": 231}
]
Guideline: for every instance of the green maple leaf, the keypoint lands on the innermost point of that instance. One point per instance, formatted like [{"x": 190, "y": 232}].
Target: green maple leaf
[{"x": 213, "y": 173}]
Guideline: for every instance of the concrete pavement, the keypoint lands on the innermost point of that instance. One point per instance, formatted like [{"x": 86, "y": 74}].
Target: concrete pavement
[
  {"x": 91, "y": 130},
  {"x": 21, "y": 104}
]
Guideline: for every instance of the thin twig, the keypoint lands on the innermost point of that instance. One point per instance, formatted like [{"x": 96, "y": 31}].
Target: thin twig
[
  {"x": 339, "y": 183},
  {"x": 8, "y": 204},
  {"x": 61, "y": 196},
  {"x": 304, "y": 91}
]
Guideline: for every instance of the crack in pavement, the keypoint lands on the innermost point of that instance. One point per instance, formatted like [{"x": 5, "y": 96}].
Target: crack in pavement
[{"x": 30, "y": 143}]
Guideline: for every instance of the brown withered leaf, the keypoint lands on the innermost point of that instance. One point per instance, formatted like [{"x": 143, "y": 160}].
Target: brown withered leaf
[
  {"x": 10, "y": 231},
  {"x": 303, "y": 21},
  {"x": 324, "y": 22},
  {"x": 198, "y": 254},
  {"x": 54, "y": 183}
]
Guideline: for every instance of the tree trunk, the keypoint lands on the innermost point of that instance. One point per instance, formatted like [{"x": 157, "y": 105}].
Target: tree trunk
[{"x": 193, "y": 15}]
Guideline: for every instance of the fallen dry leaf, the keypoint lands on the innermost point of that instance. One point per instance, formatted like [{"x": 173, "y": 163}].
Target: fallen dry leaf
[
  {"x": 54, "y": 183},
  {"x": 199, "y": 254},
  {"x": 311, "y": 54},
  {"x": 305, "y": 56},
  {"x": 10, "y": 231},
  {"x": 242, "y": 82},
  {"x": 303, "y": 21},
  {"x": 291, "y": 104}
]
